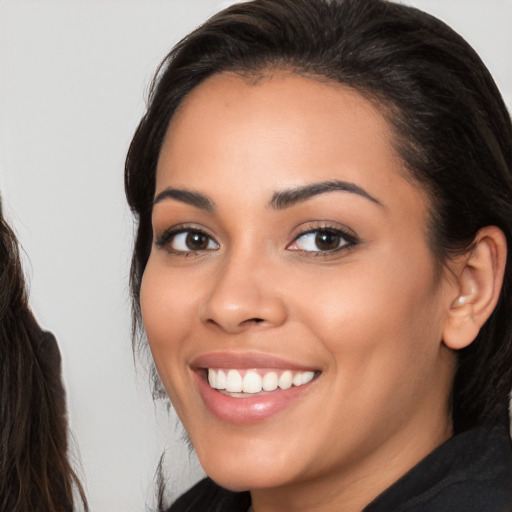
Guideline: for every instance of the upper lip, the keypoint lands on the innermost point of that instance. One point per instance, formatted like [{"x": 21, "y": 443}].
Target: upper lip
[{"x": 237, "y": 360}]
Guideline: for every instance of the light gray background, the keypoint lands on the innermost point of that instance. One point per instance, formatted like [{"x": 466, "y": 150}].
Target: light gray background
[{"x": 73, "y": 78}]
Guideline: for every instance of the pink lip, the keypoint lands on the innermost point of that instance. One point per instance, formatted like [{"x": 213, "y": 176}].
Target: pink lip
[
  {"x": 253, "y": 408},
  {"x": 247, "y": 410},
  {"x": 245, "y": 361}
]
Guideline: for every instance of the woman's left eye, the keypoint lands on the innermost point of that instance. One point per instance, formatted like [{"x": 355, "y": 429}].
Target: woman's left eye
[{"x": 321, "y": 240}]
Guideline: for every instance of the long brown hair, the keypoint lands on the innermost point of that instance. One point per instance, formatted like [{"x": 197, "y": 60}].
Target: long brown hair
[{"x": 35, "y": 474}]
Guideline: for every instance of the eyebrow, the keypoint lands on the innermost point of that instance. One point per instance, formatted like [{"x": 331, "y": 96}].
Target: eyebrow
[
  {"x": 288, "y": 198},
  {"x": 280, "y": 200},
  {"x": 186, "y": 196}
]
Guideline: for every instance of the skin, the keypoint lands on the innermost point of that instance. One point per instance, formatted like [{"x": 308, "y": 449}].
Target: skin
[{"x": 368, "y": 317}]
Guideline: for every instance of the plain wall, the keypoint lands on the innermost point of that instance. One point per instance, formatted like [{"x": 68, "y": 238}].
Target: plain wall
[{"x": 73, "y": 76}]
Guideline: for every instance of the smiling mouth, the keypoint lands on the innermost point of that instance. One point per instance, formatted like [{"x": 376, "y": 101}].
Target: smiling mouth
[{"x": 241, "y": 383}]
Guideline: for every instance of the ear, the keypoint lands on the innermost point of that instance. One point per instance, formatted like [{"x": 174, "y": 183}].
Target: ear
[{"x": 479, "y": 277}]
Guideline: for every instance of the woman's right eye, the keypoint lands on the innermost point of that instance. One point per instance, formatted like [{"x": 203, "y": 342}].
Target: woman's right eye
[{"x": 186, "y": 241}]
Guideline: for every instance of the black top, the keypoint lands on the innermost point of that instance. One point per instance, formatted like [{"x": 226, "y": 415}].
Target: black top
[{"x": 471, "y": 472}]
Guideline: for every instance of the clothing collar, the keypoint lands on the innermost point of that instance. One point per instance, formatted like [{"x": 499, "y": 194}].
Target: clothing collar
[{"x": 471, "y": 472}]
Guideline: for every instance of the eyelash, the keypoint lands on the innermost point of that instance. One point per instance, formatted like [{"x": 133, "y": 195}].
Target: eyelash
[
  {"x": 169, "y": 236},
  {"x": 347, "y": 240}
]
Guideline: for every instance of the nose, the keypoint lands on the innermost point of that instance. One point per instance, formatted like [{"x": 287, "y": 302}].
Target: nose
[{"x": 243, "y": 296}]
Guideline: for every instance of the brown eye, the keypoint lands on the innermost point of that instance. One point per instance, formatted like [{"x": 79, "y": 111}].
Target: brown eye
[
  {"x": 327, "y": 240},
  {"x": 197, "y": 241},
  {"x": 322, "y": 241},
  {"x": 189, "y": 240}
]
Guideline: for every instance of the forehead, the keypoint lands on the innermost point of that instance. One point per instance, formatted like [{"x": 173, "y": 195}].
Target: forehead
[
  {"x": 280, "y": 131},
  {"x": 283, "y": 106}
]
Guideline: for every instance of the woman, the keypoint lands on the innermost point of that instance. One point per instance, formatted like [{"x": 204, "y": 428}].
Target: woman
[
  {"x": 324, "y": 201},
  {"x": 35, "y": 474}
]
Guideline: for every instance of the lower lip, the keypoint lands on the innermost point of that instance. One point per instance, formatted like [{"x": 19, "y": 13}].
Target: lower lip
[{"x": 254, "y": 408}]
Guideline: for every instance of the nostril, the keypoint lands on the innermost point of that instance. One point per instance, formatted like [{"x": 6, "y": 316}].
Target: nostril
[
  {"x": 255, "y": 320},
  {"x": 211, "y": 321}
]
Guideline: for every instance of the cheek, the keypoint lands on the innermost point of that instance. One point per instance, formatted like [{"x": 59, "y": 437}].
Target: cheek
[
  {"x": 382, "y": 318},
  {"x": 382, "y": 333},
  {"x": 167, "y": 308}
]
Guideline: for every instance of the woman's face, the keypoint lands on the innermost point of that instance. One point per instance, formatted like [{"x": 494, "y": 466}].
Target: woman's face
[{"x": 290, "y": 262}]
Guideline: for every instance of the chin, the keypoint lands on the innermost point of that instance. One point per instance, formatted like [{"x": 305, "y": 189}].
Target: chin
[{"x": 242, "y": 476}]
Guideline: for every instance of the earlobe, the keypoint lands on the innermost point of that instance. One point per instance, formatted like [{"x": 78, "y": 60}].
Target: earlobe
[{"x": 479, "y": 278}]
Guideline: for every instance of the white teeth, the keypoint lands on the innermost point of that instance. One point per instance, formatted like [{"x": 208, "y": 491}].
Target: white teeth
[
  {"x": 306, "y": 377},
  {"x": 255, "y": 382},
  {"x": 285, "y": 381},
  {"x": 251, "y": 383},
  {"x": 270, "y": 381},
  {"x": 212, "y": 378},
  {"x": 220, "y": 381},
  {"x": 233, "y": 382}
]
